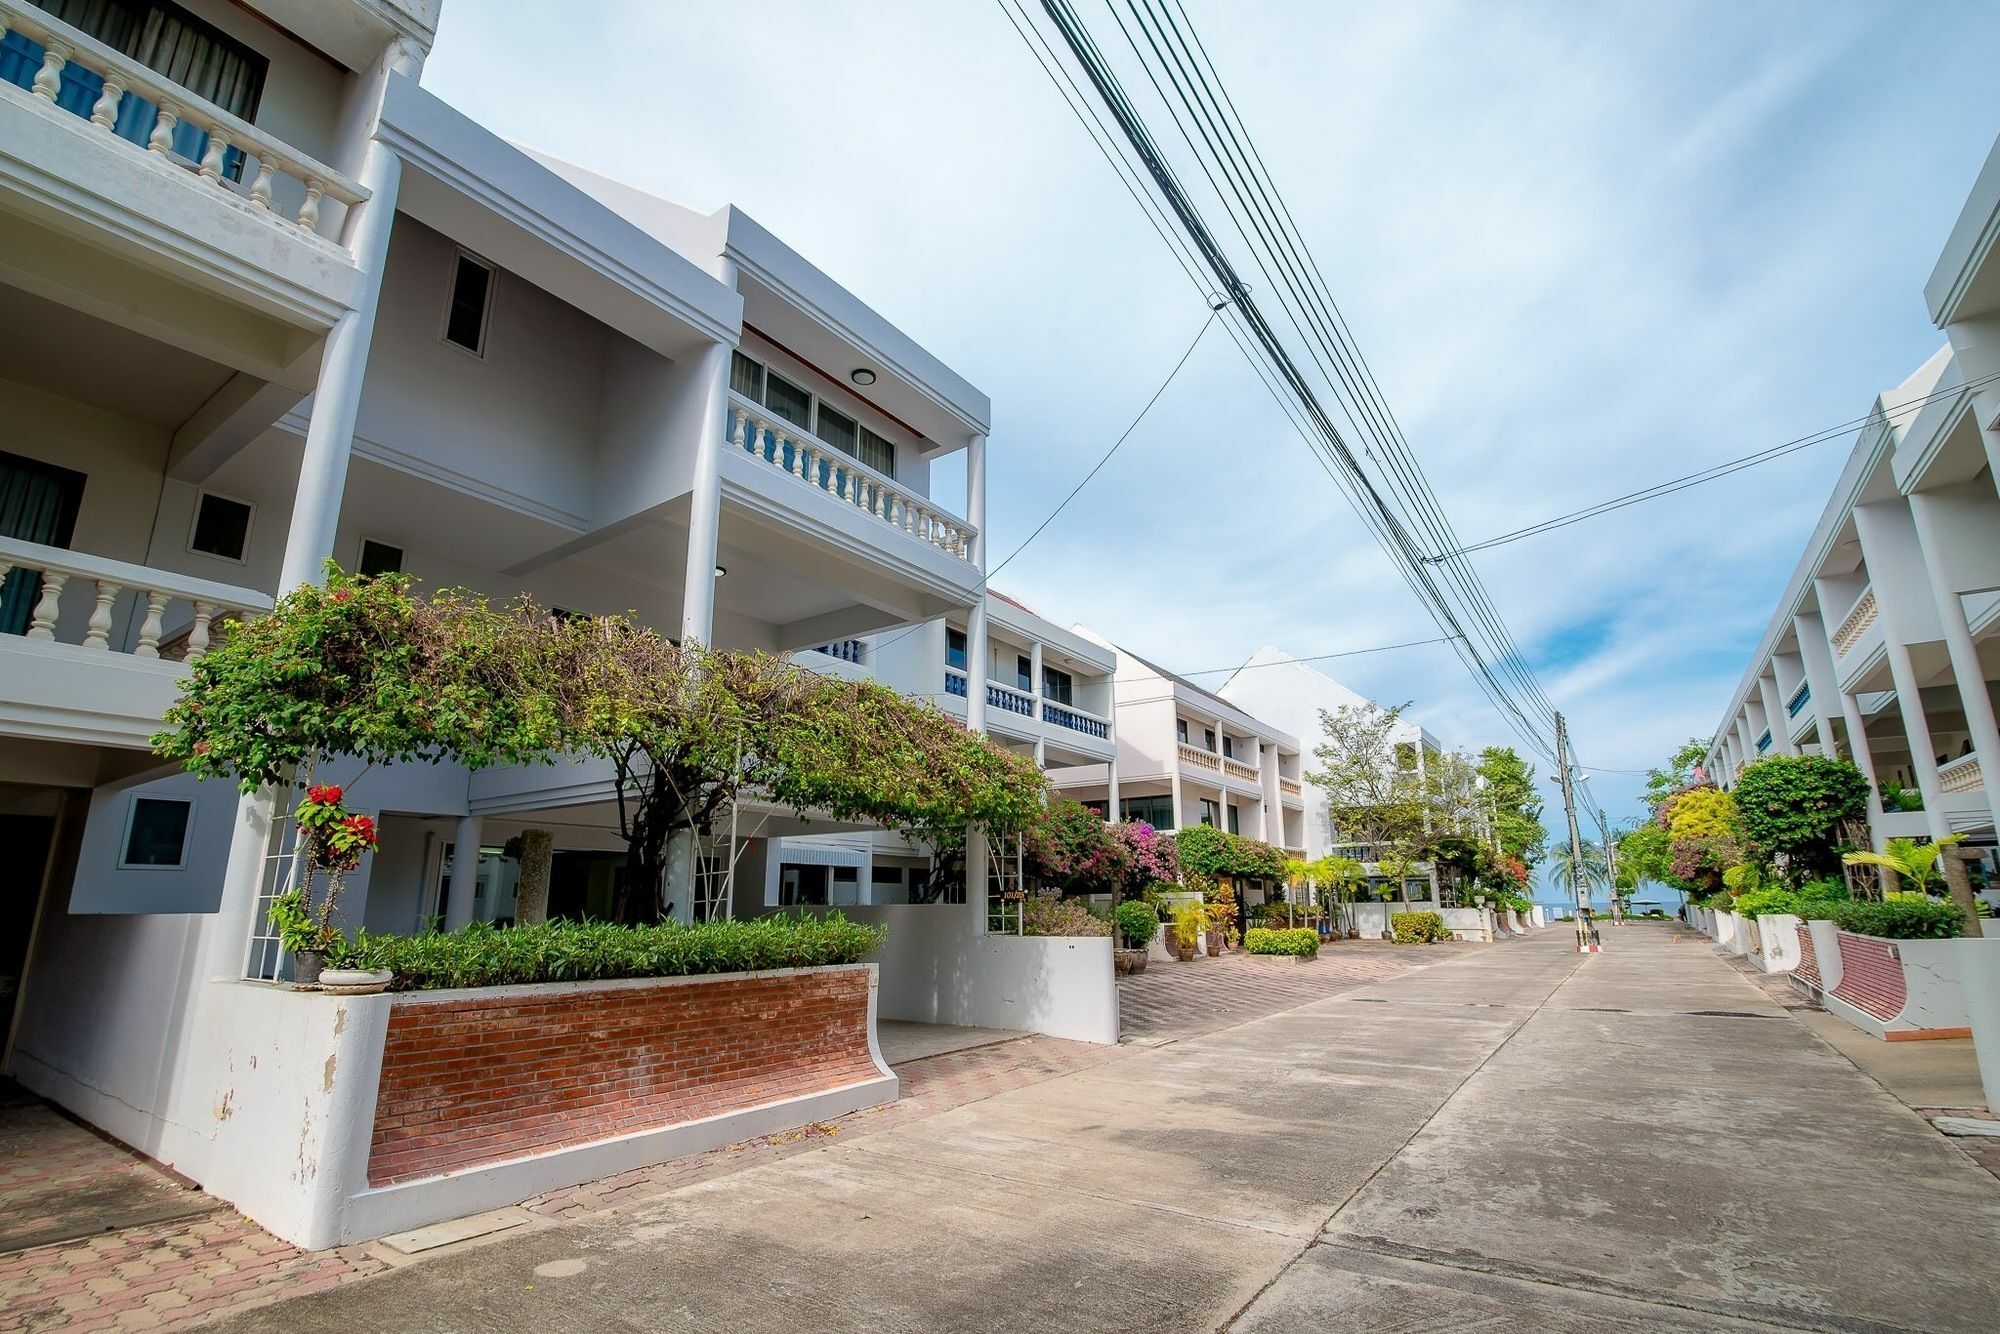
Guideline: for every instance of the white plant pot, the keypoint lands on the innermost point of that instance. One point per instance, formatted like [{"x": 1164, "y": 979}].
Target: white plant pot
[{"x": 355, "y": 979}]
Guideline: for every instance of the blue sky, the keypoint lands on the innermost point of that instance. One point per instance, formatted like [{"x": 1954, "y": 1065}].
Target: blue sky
[{"x": 1584, "y": 249}]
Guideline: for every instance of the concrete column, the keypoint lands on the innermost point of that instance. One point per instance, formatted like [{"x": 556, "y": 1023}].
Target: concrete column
[
  {"x": 1111, "y": 788},
  {"x": 1274, "y": 806},
  {"x": 1035, "y": 689},
  {"x": 1816, "y": 656},
  {"x": 464, "y": 872},
  {"x": 343, "y": 365},
  {"x": 977, "y": 659},
  {"x": 705, "y": 495},
  {"x": 1965, "y": 668},
  {"x": 1863, "y": 758},
  {"x": 1916, "y": 726}
]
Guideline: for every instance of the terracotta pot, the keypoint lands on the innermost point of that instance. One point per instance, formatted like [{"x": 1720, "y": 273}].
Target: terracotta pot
[
  {"x": 1185, "y": 953},
  {"x": 1215, "y": 942}
]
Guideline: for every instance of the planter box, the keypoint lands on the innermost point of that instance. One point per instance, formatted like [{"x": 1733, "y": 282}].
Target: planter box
[
  {"x": 1778, "y": 949},
  {"x": 1893, "y": 989}
]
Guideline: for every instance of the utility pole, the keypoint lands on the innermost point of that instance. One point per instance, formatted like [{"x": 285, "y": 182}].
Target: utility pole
[
  {"x": 1611, "y": 869},
  {"x": 1586, "y": 933}
]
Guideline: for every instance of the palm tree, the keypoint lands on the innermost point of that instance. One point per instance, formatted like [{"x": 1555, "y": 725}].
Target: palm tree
[
  {"x": 1565, "y": 869},
  {"x": 1913, "y": 861}
]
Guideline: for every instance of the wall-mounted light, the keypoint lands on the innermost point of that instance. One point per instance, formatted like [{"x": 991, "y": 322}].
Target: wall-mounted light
[
  {"x": 720, "y": 571},
  {"x": 862, "y": 376}
]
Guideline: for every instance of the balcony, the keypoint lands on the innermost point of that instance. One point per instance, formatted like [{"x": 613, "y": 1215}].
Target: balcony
[
  {"x": 1800, "y": 698},
  {"x": 106, "y": 645},
  {"x": 1076, "y": 720},
  {"x": 1009, "y": 700},
  {"x": 1196, "y": 757},
  {"x": 1238, "y": 769},
  {"x": 152, "y": 177},
  {"x": 1961, "y": 775},
  {"x": 873, "y": 496}
]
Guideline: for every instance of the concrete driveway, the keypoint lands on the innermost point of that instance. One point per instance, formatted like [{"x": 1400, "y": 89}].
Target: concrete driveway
[{"x": 1517, "y": 1139}]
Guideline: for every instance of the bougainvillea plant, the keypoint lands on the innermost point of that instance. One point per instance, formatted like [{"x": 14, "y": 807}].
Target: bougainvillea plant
[{"x": 332, "y": 842}]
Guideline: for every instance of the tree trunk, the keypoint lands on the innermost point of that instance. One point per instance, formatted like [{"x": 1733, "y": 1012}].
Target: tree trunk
[
  {"x": 531, "y": 894},
  {"x": 1958, "y": 886}
]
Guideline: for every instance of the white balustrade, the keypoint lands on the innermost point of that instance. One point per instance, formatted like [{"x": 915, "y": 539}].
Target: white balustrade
[
  {"x": 63, "y": 46},
  {"x": 1856, "y": 623},
  {"x": 1290, "y": 786},
  {"x": 1238, "y": 769},
  {"x": 1200, "y": 758},
  {"x": 154, "y": 592},
  {"x": 845, "y": 478},
  {"x": 1961, "y": 775}
]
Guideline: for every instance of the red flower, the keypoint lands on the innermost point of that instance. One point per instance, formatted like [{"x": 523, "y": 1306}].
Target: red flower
[
  {"x": 323, "y": 796},
  {"x": 341, "y": 595},
  {"x": 362, "y": 828}
]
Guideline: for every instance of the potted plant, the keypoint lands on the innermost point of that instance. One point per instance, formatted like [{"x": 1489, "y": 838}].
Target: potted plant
[
  {"x": 302, "y": 934},
  {"x": 332, "y": 842},
  {"x": 1190, "y": 920},
  {"x": 1136, "y": 922}
]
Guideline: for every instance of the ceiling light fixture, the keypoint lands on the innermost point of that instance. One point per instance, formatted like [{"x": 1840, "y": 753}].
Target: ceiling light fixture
[
  {"x": 862, "y": 376},
  {"x": 720, "y": 571}
]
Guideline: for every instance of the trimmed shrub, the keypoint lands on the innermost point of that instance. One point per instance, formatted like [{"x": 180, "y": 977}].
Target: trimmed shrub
[
  {"x": 482, "y": 955},
  {"x": 1767, "y": 902},
  {"x": 1418, "y": 928},
  {"x": 1895, "y": 919},
  {"x": 1045, "y": 913},
  {"x": 1300, "y": 942},
  {"x": 1137, "y": 924}
]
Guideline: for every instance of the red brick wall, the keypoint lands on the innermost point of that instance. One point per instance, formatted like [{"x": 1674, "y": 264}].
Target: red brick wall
[
  {"x": 471, "y": 1079},
  {"x": 1808, "y": 969},
  {"x": 1871, "y": 977}
]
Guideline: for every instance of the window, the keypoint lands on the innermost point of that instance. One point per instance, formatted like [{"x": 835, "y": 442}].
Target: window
[
  {"x": 1208, "y": 739},
  {"x": 801, "y": 408},
  {"x": 885, "y": 875},
  {"x": 156, "y": 830},
  {"x": 954, "y": 649},
  {"x": 221, "y": 527},
  {"x": 787, "y": 400},
  {"x": 1228, "y": 747},
  {"x": 1024, "y": 672},
  {"x": 1210, "y": 816},
  {"x": 164, "y": 38},
  {"x": 1156, "y": 811},
  {"x": 1056, "y": 686},
  {"x": 1235, "y": 819},
  {"x": 379, "y": 558},
  {"x": 471, "y": 301},
  {"x": 1180, "y": 730},
  {"x": 39, "y": 504}
]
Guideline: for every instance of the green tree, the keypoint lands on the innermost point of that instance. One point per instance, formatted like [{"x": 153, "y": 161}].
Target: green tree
[
  {"x": 1516, "y": 805},
  {"x": 1372, "y": 784},
  {"x": 1794, "y": 808},
  {"x": 1678, "y": 773},
  {"x": 1565, "y": 868}
]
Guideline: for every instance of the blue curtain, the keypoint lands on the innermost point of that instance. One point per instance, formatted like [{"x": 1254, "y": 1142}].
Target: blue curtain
[{"x": 38, "y": 503}]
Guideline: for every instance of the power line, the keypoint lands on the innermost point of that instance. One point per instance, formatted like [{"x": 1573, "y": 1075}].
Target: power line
[{"x": 1718, "y": 470}]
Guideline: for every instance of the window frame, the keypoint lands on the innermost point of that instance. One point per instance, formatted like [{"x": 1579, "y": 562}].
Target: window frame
[
  {"x": 132, "y": 814},
  {"x": 864, "y": 433},
  {"x": 459, "y": 255},
  {"x": 194, "y": 525},
  {"x": 1024, "y": 673},
  {"x": 1181, "y": 731},
  {"x": 363, "y": 542},
  {"x": 962, "y": 648},
  {"x": 1050, "y": 675}
]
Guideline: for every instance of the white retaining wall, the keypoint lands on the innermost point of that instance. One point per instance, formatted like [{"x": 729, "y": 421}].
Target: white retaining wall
[
  {"x": 937, "y": 970},
  {"x": 1778, "y": 938}
]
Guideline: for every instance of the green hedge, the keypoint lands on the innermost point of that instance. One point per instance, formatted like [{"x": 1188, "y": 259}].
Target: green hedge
[
  {"x": 1137, "y": 924},
  {"x": 487, "y": 956},
  {"x": 1300, "y": 942},
  {"x": 1418, "y": 928},
  {"x": 1896, "y": 919}
]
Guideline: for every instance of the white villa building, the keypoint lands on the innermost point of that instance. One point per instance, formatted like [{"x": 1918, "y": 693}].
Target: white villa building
[
  {"x": 300, "y": 310},
  {"x": 1885, "y": 646},
  {"x": 1186, "y": 756}
]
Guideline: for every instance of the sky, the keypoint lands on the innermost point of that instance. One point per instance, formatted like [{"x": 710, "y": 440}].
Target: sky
[{"x": 1584, "y": 249}]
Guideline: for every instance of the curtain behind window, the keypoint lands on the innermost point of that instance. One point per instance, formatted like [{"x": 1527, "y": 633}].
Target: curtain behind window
[{"x": 38, "y": 503}]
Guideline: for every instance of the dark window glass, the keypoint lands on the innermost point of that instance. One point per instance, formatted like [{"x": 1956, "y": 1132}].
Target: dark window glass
[
  {"x": 885, "y": 875},
  {"x": 954, "y": 649},
  {"x": 1208, "y": 813},
  {"x": 1056, "y": 685},
  {"x": 380, "y": 558},
  {"x": 38, "y": 503},
  {"x": 1180, "y": 730},
  {"x": 158, "y": 833},
  {"x": 746, "y": 377},
  {"x": 471, "y": 290},
  {"x": 1157, "y": 811},
  {"x": 1235, "y": 819},
  {"x": 221, "y": 526},
  {"x": 876, "y": 452},
  {"x": 837, "y": 429},
  {"x": 1228, "y": 747},
  {"x": 788, "y": 401},
  {"x": 1024, "y": 673},
  {"x": 1208, "y": 739}
]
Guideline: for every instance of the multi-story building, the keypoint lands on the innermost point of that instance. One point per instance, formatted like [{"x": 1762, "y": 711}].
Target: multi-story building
[
  {"x": 1885, "y": 646},
  {"x": 268, "y": 303},
  {"x": 1187, "y": 756},
  {"x": 1048, "y": 695}
]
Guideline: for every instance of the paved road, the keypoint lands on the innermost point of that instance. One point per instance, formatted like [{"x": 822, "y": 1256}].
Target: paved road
[{"x": 1514, "y": 1140}]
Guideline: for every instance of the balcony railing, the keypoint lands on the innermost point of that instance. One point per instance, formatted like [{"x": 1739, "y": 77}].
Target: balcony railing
[
  {"x": 1764, "y": 741},
  {"x": 1199, "y": 758},
  {"x": 1291, "y": 787},
  {"x": 197, "y": 604},
  {"x": 117, "y": 77},
  {"x": 1062, "y": 715},
  {"x": 1798, "y": 700},
  {"x": 1238, "y": 769},
  {"x": 1961, "y": 775},
  {"x": 1009, "y": 700},
  {"x": 1856, "y": 623},
  {"x": 847, "y": 650},
  {"x": 840, "y": 475},
  {"x": 955, "y": 682}
]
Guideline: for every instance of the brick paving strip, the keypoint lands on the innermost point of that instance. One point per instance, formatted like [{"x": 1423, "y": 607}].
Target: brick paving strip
[{"x": 180, "y": 1273}]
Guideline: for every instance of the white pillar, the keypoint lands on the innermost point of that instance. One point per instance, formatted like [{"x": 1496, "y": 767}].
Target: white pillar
[
  {"x": 343, "y": 365},
  {"x": 464, "y": 872},
  {"x": 1775, "y": 716},
  {"x": 1111, "y": 805},
  {"x": 976, "y": 662},
  {"x": 1965, "y": 668},
  {"x": 705, "y": 494},
  {"x": 1274, "y": 807},
  {"x": 242, "y": 883},
  {"x": 1917, "y": 728}
]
